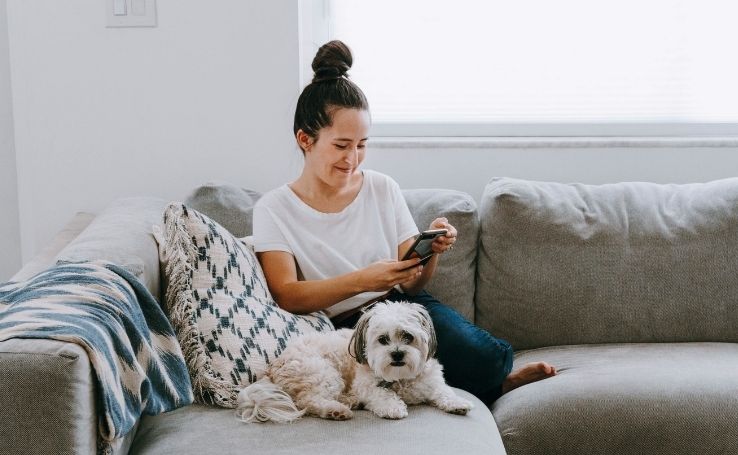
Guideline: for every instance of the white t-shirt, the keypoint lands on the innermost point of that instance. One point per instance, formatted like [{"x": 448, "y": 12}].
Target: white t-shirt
[{"x": 326, "y": 245}]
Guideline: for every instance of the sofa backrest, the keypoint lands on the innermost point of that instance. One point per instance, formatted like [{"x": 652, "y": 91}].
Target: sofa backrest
[
  {"x": 229, "y": 205},
  {"x": 628, "y": 262},
  {"x": 122, "y": 234},
  {"x": 453, "y": 280}
]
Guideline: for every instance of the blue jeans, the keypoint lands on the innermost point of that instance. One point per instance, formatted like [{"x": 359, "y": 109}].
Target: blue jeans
[{"x": 472, "y": 359}]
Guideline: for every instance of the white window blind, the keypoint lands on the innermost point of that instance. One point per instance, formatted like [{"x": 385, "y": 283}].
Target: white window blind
[{"x": 541, "y": 67}]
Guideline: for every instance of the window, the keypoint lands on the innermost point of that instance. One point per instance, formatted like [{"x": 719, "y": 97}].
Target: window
[{"x": 536, "y": 67}]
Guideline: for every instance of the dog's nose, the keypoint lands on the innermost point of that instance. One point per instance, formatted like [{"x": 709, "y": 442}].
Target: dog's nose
[{"x": 398, "y": 355}]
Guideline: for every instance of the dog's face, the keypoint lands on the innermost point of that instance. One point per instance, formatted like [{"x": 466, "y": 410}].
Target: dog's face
[{"x": 394, "y": 339}]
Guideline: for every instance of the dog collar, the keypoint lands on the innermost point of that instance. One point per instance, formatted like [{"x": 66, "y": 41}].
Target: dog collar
[{"x": 385, "y": 384}]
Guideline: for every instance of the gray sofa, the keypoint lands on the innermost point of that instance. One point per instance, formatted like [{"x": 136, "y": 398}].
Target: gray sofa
[{"x": 629, "y": 289}]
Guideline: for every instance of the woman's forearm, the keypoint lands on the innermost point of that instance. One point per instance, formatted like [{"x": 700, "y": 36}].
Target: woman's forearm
[{"x": 301, "y": 297}]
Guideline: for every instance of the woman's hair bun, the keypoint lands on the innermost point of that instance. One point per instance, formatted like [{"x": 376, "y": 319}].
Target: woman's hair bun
[
  {"x": 329, "y": 90},
  {"x": 332, "y": 61}
]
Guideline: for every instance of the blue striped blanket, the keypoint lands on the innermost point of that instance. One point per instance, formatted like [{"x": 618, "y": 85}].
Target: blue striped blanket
[{"x": 138, "y": 364}]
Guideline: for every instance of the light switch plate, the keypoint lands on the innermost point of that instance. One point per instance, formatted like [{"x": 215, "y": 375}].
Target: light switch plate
[{"x": 138, "y": 13}]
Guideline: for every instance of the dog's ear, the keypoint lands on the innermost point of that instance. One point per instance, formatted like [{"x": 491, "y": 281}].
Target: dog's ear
[
  {"x": 427, "y": 324},
  {"x": 357, "y": 345}
]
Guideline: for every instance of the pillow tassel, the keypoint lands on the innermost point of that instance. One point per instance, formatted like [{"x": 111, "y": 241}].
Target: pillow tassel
[{"x": 206, "y": 387}]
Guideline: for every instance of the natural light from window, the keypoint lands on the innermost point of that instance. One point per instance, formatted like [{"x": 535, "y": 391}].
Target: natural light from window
[{"x": 569, "y": 61}]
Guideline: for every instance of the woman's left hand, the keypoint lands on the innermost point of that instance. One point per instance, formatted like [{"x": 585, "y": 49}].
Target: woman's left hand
[{"x": 443, "y": 242}]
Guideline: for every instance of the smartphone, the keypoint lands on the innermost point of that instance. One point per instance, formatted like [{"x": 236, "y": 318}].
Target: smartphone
[{"x": 422, "y": 246}]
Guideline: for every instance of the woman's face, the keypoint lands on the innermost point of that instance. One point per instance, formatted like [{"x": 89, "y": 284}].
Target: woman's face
[{"x": 335, "y": 156}]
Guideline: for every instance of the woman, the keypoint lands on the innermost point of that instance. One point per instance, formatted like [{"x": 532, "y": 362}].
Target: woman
[{"x": 330, "y": 240}]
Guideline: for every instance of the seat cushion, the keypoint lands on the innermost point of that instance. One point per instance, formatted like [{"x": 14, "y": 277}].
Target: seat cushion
[
  {"x": 200, "y": 429},
  {"x": 663, "y": 398}
]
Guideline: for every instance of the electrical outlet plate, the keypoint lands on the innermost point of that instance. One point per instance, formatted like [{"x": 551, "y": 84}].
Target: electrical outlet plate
[{"x": 131, "y": 13}]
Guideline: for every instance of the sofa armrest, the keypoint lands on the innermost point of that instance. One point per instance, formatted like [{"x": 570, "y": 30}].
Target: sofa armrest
[
  {"x": 47, "y": 388},
  {"x": 46, "y": 391},
  {"x": 45, "y": 258}
]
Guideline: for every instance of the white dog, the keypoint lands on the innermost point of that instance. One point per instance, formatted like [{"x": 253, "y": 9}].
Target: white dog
[{"x": 385, "y": 364}]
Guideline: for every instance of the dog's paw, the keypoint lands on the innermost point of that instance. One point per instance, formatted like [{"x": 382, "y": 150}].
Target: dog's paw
[
  {"x": 336, "y": 412},
  {"x": 351, "y": 401},
  {"x": 340, "y": 414},
  {"x": 455, "y": 405},
  {"x": 392, "y": 412}
]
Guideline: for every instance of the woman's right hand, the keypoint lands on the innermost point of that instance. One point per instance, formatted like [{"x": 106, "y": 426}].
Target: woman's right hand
[{"x": 383, "y": 275}]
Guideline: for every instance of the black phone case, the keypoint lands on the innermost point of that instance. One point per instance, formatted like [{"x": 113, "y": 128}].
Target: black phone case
[{"x": 421, "y": 237}]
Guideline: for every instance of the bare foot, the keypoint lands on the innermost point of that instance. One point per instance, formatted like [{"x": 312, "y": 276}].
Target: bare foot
[{"x": 530, "y": 372}]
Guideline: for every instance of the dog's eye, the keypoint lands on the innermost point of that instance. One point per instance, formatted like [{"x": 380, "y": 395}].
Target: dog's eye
[
  {"x": 384, "y": 339},
  {"x": 407, "y": 338}
]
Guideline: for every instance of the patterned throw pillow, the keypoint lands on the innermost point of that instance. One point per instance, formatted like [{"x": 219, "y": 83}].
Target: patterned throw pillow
[{"x": 226, "y": 321}]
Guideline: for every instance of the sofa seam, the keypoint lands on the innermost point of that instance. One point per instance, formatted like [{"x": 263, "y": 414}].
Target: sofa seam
[{"x": 64, "y": 355}]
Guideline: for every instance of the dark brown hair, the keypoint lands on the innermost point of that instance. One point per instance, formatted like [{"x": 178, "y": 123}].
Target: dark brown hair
[{"x": 329, "y": 90}]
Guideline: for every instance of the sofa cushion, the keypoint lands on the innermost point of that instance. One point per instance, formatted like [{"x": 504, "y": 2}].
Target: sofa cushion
[
  {"x": 228, "y": 205},
  {"x": 453, "y": 281},
  {"x": 226, "y": 321},
  {"x": 122, "y": 234},
  {"x": 629, "y": 262},
  {"x": 654, "y": 398},
  {"x": 200, "y": 429}
]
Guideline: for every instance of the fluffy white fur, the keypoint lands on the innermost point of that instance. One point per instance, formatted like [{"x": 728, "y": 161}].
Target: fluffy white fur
[{"x": 383, "y": 365}]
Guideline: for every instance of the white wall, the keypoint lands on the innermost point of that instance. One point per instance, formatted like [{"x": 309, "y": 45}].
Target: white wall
[
  {"x": 102, "y": 113},
  {"x": 10, "y": 258},
  {"x": 209, "y": 95}
]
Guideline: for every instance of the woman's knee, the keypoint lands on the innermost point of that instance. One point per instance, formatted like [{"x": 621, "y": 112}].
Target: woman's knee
[
  {"x": 467, "y": 352},
  {"x": 494, "y": 358},
  {"x": 475, "y": 358}
]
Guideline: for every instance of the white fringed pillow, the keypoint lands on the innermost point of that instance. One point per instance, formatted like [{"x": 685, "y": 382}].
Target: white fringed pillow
[{"x": 217, "y": 298}]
